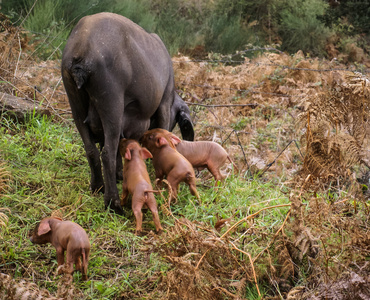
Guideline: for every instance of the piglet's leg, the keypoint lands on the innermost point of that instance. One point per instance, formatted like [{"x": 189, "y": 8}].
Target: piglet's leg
[
  {"x": 69, "y": 263},
  {"x": 124, "y": 195},
  {"x": 60, "y": 259},
  {"x": 85, "y": 259},
  {"x": 174, "y": 185},
  {"x": 191, "y": 182},
  {"x": 193, "y": 190},
  {"x": 137, "y": 204},
  {"x": 78, "y": 263},
  {"x": 215, "y": 171},
  {"x": 153, "y": 208}
]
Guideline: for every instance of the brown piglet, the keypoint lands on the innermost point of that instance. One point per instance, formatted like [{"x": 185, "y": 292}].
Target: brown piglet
[
  {"x": 64, "y": 236},
  {"x": 167, "y": 161},
  {"x": 137, "y": 183},
  {"x": 203, "y": 154}
]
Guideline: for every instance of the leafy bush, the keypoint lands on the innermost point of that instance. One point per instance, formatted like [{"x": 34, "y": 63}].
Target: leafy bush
[
  {"x": 300, "y": 28},
  {"x": 355, "y": 12},
  {"x": 226, "y": 35},
  {"x": 138, "y": 11},
  {"x": 179, "y": 33}
]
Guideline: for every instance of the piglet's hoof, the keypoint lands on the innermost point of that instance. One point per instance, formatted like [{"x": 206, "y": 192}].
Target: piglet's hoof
[{"x": 60, "y": 269}]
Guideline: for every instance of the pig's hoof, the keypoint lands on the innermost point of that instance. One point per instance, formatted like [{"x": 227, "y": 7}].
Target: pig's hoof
[
  {"x": 115, "y": 208},
  {"x": 159, "y": 232},
  {"x": 96, "y": 189}
]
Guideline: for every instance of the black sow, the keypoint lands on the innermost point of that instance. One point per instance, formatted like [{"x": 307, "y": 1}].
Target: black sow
[{"x": 120, "y": 83}]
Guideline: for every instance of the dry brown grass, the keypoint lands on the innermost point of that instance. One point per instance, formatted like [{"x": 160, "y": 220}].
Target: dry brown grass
[{"x": 23, "y": 75}]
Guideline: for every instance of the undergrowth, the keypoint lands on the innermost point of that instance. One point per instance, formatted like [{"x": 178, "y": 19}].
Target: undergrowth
[
  {"x": 50, "y": 177},
  {"x": 247, "y": 238}
]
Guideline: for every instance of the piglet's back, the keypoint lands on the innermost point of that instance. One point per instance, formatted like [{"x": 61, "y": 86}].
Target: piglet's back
[{"x": 76, "y": 234}]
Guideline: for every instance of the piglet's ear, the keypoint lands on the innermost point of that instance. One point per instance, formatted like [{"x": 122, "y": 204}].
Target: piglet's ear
[
  {"x": 145, "y": 153},
  {"x": 174, "y": 139},
  {"x": 44, "y": 228},
  {"x": 128, "y": 154},
  {"x": 162, "y": 141}
]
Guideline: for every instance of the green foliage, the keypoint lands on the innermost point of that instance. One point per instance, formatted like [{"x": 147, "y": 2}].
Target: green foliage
[
  {"x": 50, "y": 29},
  {"x": 226, "y": 34},
  {"x": 252, "y": 293},
  {"x": 222, "y": 26},
  {"x": 300, "y": 27},
  {"x": 176, "y": 34},
  {"x": 136, "y": 10},
  {"x": 51, "y": 22},
  {"x": 354, "y": 12}
]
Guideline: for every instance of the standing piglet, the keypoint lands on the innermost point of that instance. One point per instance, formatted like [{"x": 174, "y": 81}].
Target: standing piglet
[
  {"x": 136, "y": 182},
  {"x": 167, "y": 161},
  {"x": 202, "y": 154},
  {"x": 64, "y": 236}
]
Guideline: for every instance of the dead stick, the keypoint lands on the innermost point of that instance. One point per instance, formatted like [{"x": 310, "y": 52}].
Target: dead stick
[
  {"x": 251, "y": 216},
  {"x": 196, "y": 268},
  {"x": 251, "y": 261},
  {"x": 224, "y": 290},
  {"x": 222, "y": 105}
]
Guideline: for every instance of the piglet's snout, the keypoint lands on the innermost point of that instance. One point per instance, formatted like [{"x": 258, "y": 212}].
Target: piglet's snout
[{"x": 31, "y": 237}]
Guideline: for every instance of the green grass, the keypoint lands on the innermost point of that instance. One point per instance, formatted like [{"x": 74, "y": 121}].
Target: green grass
[{"x": 50, "y": 174}]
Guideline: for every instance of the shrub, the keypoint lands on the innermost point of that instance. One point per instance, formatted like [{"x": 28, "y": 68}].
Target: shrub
[
  {"x": 300, "y": 27},
  {"x": 227, "y": 35},
  {"x": 138, "y": 11}
]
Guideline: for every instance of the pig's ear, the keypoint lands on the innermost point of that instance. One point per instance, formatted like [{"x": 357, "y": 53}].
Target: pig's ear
[
  {"x": 162, "y": 141},
  {"x": 128, "y": 154},
  {"x": 145, "y": 153},
  {"x": 174, "y": 139},
  {"x": 44, "y": 227}
]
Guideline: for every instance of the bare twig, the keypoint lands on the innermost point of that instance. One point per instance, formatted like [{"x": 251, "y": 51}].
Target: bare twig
[
  {"x": 252, "y": 265},
  {"x": 222, "y": 105}
]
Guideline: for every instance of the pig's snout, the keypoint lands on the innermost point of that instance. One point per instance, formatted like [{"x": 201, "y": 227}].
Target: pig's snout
[{"x": 30, "y": 236}]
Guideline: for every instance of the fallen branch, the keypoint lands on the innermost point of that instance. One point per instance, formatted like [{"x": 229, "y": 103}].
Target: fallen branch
[{"x": 19, "y": 107}]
